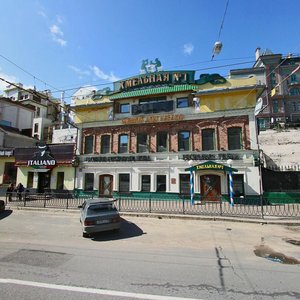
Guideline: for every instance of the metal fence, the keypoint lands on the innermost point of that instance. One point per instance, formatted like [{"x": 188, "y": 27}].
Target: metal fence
[{"x": 248, "y": 208}]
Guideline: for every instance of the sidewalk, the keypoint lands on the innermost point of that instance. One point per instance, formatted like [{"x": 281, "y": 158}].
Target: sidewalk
[{"x": 265, "y": 221}]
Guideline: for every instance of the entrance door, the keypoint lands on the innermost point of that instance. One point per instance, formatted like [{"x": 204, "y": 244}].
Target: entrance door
[
  {"x": 210, "y": 187},
  {"x": 43, "y": 181},
  {"x": 105, "y": 185}
]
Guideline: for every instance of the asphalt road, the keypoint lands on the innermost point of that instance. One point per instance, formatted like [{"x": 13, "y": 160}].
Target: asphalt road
[{"x": 44, "y": 256}]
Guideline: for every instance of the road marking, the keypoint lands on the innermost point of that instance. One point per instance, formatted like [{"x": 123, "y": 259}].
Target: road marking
[{"x": 91, "y": 290}]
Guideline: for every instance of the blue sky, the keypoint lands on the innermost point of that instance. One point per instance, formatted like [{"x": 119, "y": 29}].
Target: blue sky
[{"x": 65, "y": 44}]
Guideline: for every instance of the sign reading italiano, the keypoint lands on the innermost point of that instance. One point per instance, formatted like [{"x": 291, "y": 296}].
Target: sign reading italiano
[{"x": 42, "y": 159}]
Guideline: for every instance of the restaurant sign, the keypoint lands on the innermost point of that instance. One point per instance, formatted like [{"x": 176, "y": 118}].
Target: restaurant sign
[
  {"x": 154, "y": 79},
  {"x": 42, "y": 159}
]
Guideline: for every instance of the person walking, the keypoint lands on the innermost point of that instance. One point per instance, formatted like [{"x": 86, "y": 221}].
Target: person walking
[
  {"x": 20, "y": 190},
  {"x": 9, "y": 192}
]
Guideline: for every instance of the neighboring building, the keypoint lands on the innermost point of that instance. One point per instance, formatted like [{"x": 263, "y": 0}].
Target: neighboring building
[
  {"x": 47, "y": 110},
  {"x": 15, "y": 131},
  {"x": 140, "y": 138},
  {"x": 281, "y": 100}
]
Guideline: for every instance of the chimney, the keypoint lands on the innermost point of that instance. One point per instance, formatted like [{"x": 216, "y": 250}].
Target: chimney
[{"x": 257, "y": 53}]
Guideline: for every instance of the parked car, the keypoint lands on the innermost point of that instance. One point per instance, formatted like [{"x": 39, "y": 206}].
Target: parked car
[
  {"x": 2, "y": 205},
  {"x": 97, "y": 215}
]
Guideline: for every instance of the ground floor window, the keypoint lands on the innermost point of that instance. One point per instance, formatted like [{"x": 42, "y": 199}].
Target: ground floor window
[
  {"x": 184, "y": 183},
  {"x": 10, "y": 173},
  {"x": 146, "y": 182},
  {"x": 161, "y": 183},
  {"x": 237, "y": 184},
  {"x": 88, "y": 181},
  {"x": 30, "y": 180},
  {"x": 124, "y": 180},
  {"x": 60, "y": 180}
]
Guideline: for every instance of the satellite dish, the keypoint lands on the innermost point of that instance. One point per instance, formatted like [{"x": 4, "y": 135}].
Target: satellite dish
[{"x": 258, "y": 106}]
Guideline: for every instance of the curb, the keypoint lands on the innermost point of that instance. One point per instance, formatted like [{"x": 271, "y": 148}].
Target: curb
[{"x": 273, "y": 221}]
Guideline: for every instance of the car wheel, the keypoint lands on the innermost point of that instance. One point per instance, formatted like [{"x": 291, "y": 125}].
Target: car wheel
[{"x": 85, "y": 235}]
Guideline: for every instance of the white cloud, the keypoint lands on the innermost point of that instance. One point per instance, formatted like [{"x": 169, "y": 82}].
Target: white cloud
[
  {"x": 57, "y": 35},
  {"x": 80, "y": 72},
  {"x": 100, "y": 74},
  {"x": 3, "y": 84},
  {"x": 188, "y": 49}
]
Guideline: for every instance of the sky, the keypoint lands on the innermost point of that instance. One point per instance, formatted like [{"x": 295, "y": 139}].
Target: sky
[{"x": 62, "y": 45}]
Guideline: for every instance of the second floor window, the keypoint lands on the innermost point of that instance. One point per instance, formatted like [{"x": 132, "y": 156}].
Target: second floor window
[
  {"x": 182, "y": 102},
  {"x": 142, "y": 142},
  {"x": 124, "y": 108},
  {"x": 275, "y": 106},
  {"x": 234, "y": 138},
  {"x": 162, "y": 142},
  {"x": 123, "y": 143},
  {"x": 105, "y": 144},
  {"x": 183, "y": 141},
  {"x": 208, "y": 139},
  {"x": 88, "y": 144}
]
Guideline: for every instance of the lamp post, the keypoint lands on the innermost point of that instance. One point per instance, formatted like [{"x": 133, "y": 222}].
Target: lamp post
[
  {"x": 190, "y": 162},
  {"x": 229, "y": 162}
]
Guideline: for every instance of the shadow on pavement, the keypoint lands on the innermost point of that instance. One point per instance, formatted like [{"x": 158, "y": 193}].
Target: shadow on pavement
[
  {"x": 5, "y": 213},
  {"x": 127, "y": 230}
]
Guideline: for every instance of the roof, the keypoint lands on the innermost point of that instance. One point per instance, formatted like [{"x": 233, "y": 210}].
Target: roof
[{"x": 156, "y": 90}]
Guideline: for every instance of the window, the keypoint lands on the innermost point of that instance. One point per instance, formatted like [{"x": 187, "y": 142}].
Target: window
[
  {"x": 184, "y": 183},
  {"x": 60, "y": 180},
  {"x": 123, "y": 143},
  {"x": 124, "y": 108},
  {"x": 124, "y": 183},
  {"x": 30, "y": 179},
  {"x": 105, "y": 144},
  {"x": 146, "y": 183},
  {"x": 275, "y": 105},
  {"x": 162, "y": 142},
  {"x": 161, "y": 183},
  {"x": 142, "y": 142},
  {"x": 182, "y": 102},
  {"x": 237, "y": 184},
  {"x": 234, "y": 138},
  {"x": 184, "y": 141},
  {"x": 293, "y": 78},
  {"x": 89, "y": 181},
  {"x": 208, "y": 139},
  {"x": 38, "y": 112},
  {"x": 88, "y": 144},
  {"x": 294, "y": 92},
  {"x": 10, "y": 173},
  {"x": 36, "y": 127}
]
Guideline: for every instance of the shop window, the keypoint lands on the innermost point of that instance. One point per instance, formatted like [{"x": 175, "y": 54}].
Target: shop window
[
  {"x": 234, "y": 138},
  {"x": 124, "y": 183},
  {"x": 89, "y": 181},
  {"x": 88, "y": 144},
  {"x": 182, "y": 102},
  {"x": 123, "y": 143},
  {"x": 161, "y": 183},
  {"x": 208, "y": 139},
  {"x": 105, "y": 144},
  {"x": 124, "y": 108},
  {"x": 142, "y": 142},
  {"x": 10, "y": 173},
  {"x": 275, "y": 105},
  {"x": 146, "y": 183},
  {"x": 184, "y": 183},
  {"x": 162, "y": 142},
  {"x": 30, "y": 180},
  {"x": 183, "y": 141},
  {"x": 60, "y": 180},
  {"x": 237, "y": 184}
]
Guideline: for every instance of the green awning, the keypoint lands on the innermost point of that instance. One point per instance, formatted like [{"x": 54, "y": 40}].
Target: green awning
[
  {"x": 156, "y": 90},
  {"x": 211, "y": 165}
]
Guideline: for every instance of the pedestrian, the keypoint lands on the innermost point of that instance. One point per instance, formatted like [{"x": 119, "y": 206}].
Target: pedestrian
[
  {"x": 20, "y": 190},
  {"x": 9, "y": 192}
]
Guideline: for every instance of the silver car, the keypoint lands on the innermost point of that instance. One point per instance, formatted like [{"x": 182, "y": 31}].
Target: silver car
[{"x": 97, "y": 215}]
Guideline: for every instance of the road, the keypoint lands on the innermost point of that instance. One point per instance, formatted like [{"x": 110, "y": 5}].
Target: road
[{"x": 44, "y": 256}]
